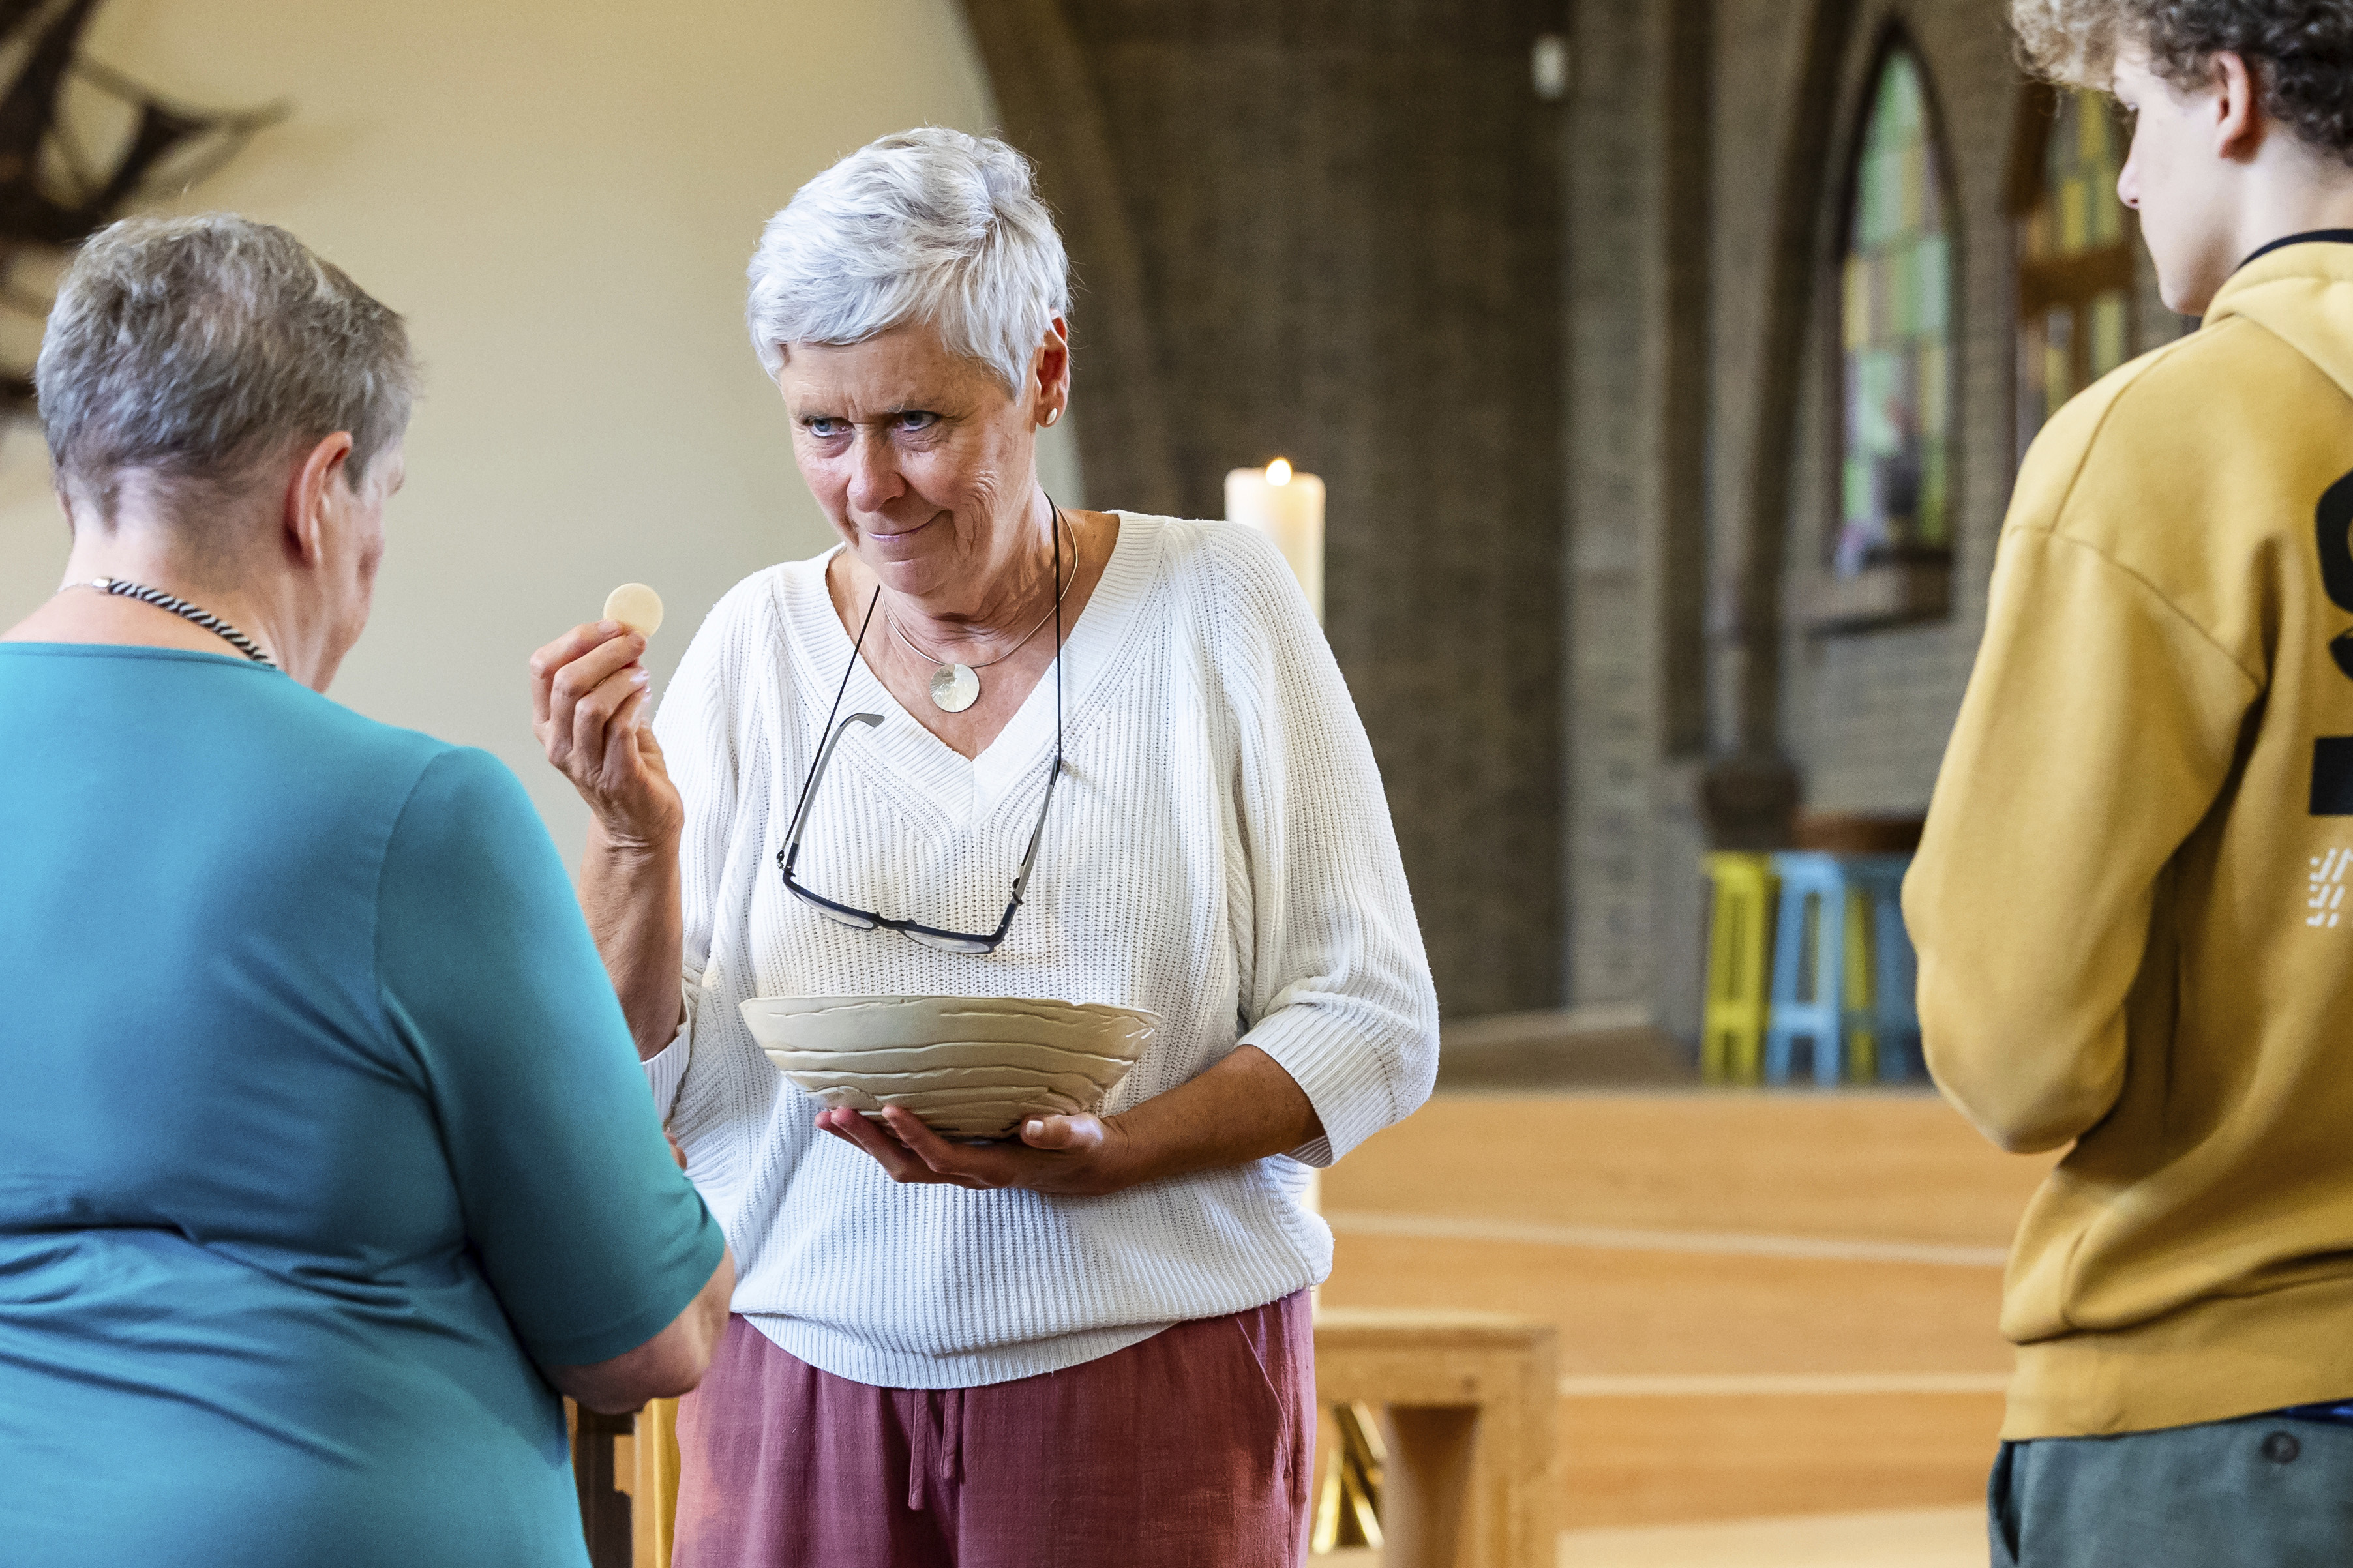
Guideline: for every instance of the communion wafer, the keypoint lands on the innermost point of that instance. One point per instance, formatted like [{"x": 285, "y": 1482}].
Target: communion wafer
[{"x": 636, "y": 606}]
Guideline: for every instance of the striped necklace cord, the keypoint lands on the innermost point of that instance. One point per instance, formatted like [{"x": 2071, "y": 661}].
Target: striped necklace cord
[{"x": 186, "y": 612}]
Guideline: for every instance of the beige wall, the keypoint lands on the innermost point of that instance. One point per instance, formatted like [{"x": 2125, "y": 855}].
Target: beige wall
[{"x": 561, "y": 197}]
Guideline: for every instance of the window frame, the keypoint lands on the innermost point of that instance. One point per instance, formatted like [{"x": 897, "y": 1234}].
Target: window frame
[
  {"x": 1917, "y": 588},
  {"x": 2036, "y": 285}
]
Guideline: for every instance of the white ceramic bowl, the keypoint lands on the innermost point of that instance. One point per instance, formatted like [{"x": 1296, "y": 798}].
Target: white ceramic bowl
[{"x": 971, "y": 1067}]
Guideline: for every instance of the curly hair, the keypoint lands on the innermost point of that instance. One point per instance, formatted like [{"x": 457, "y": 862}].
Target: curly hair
[{"x": 2301, "y": 51}]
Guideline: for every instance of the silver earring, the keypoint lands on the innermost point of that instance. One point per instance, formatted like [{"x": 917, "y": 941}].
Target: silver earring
[{"x": 1052, "y": 414}]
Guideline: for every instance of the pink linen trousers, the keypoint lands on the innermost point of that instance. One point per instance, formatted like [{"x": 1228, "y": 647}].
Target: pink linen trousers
[{"x": 1189, "y": 1449}]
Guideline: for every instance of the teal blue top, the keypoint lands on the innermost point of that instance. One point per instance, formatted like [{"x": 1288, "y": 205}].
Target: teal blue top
[{"x": 318, "y": 1126}]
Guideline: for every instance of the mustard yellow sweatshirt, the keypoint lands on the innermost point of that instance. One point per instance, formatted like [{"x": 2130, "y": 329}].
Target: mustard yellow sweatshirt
[{"x": 2131, "y": 903}]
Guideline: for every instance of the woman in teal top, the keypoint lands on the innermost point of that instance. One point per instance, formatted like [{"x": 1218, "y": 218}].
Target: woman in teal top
[{"x": 325, "y": 1151}]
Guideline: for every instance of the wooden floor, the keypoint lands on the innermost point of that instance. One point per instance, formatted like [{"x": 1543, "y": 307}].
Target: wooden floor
[
  {"x": 1769, "y": 1303},
  {"x": 1915, "y": 1538}
]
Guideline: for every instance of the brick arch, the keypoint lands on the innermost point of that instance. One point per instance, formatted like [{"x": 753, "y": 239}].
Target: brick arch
[
  {"x": 1867, "y": 710},
  {"x": 1749, "y": 795}
]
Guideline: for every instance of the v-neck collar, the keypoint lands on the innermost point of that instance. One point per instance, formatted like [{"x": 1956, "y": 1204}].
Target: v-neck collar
[{"x": 968, "y": 788}]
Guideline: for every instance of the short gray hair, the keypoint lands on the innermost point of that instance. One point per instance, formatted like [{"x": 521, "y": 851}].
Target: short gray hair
[
  {"x": 928, "y": 226},
  {"x": 191, "y": 348}
]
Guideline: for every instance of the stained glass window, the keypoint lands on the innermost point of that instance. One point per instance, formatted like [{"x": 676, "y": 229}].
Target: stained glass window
[
  {"x": 2074, "y": 250},
  {"x": 1896, "y": 336}
]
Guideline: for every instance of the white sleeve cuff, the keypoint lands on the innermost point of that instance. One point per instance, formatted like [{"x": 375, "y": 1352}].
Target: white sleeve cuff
[
  {"x": 666, "y": 1069},
  {"x": 1360, "y": 1069}
]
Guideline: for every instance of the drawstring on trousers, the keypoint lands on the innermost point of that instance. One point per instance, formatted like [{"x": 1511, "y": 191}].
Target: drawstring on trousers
[{"x": 934, "y": 1445}]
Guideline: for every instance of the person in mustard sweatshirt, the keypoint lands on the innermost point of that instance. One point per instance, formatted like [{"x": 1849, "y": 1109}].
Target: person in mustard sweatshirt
[{"x": 2131, "y": 903}]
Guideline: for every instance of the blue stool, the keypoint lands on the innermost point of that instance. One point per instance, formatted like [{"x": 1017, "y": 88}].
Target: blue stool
[
  {"x": 1842, "y": 967},
  {"x": 1891, "y": 1012}
]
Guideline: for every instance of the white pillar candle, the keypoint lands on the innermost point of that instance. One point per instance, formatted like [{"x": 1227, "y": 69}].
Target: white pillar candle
[{"x": 1288, "y": 506}]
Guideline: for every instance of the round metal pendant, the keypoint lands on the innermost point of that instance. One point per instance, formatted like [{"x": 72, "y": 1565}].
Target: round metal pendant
[{"x": 954, "y": 687}]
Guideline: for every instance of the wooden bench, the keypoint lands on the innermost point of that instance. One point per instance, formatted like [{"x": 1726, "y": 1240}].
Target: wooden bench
[{"x": 1470, "y": 1409}]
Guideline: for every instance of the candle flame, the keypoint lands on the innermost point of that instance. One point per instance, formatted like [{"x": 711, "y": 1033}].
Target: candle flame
[{"x": 1279, "y": 471}]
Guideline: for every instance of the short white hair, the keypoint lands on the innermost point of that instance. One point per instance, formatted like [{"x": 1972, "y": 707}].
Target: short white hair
[{"x": 928, "y": 226}]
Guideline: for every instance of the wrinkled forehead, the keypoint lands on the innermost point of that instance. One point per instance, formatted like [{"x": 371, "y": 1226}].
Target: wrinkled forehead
[{"x": 904, "y": 368}]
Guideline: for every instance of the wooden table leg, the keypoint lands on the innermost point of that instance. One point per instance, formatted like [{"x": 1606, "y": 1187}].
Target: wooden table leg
[
  {"x": 653, "y": 1497},
  {"x": 604, "y": 1507}
]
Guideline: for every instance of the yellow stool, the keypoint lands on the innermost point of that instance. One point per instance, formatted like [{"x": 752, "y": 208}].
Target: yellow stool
[
  {"x": 1739, "y": 966},
  {"x": 1861, "y": 1038}
]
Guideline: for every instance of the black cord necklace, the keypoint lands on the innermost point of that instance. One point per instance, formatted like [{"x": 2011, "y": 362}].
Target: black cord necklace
[
  {"x": 955, "y": 685},
  {"x": 185, "y": 611}
]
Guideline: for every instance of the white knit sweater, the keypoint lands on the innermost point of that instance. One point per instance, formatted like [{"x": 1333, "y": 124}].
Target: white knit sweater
[{"x": 1220, "y": 852}]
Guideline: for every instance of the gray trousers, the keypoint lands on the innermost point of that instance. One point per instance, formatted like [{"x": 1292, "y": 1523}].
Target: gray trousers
[{"x": 2261, "y": 1491}]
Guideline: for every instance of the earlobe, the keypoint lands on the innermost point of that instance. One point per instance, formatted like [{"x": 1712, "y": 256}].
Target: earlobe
[{"x": 1051, "y": 369}]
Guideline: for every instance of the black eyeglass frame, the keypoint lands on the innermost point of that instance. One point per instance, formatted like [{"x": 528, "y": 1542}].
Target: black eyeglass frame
[{"x": 972, "y": 943}]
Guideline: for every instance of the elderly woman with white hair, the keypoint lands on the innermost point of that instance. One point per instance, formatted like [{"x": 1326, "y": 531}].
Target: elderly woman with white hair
[{"x": 1087, "y": 1343}]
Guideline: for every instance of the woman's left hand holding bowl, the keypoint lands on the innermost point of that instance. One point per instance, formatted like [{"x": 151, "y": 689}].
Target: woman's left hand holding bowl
[
  {"x": 1073, "y": 1156},
  {"x": 1243, "y": 1107}
]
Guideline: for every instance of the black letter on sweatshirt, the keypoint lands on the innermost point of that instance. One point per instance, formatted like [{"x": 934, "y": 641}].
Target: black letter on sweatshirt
[
  {"x": 2334, "y": 521},
  {"x": 2332, "y": 755}
]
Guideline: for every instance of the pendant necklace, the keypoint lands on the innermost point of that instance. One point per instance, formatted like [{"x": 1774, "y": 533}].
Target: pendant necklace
[
  {"x": 955, "y": 686},
  {"x": 185, "y": 611}
]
